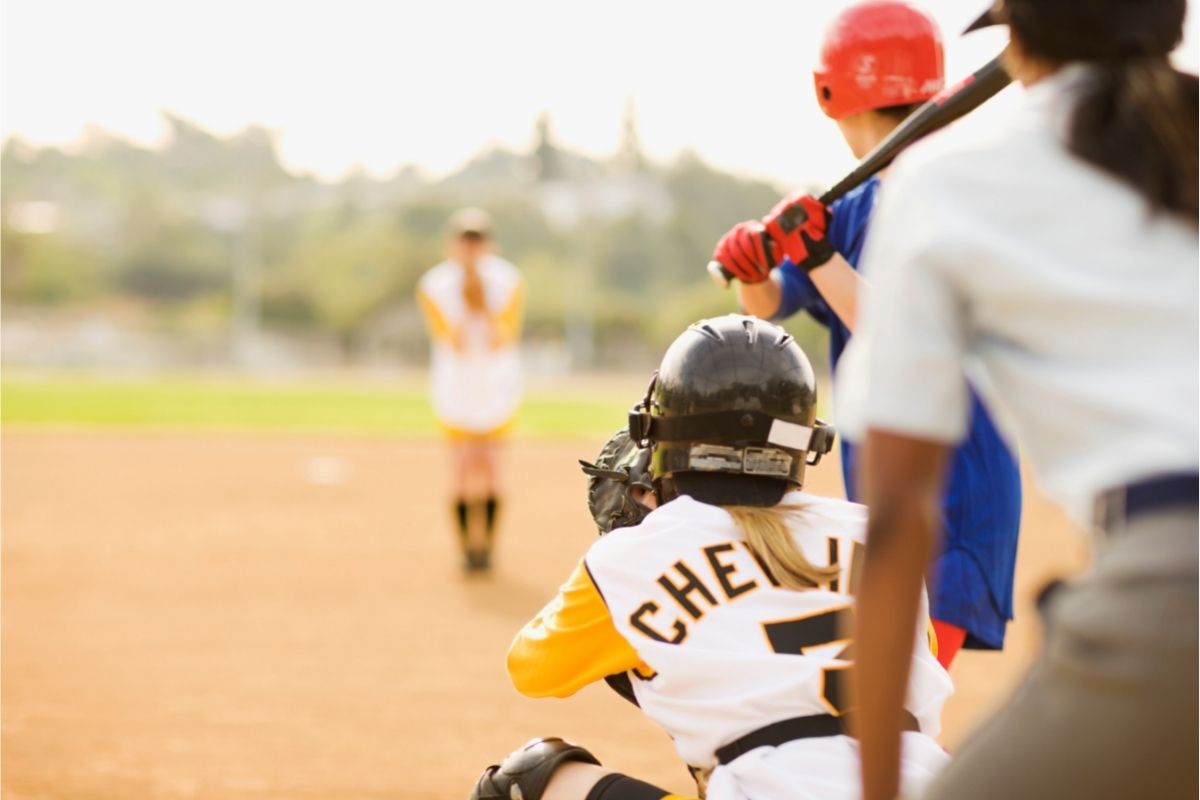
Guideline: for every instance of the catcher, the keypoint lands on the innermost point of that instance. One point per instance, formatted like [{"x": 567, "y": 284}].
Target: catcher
[{"x": 722, "y": 612}]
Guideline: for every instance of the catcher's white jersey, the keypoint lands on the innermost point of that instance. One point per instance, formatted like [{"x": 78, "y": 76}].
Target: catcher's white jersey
[
  {"x": 721, "y": 650},
  {"x": 475, "y": 366}
]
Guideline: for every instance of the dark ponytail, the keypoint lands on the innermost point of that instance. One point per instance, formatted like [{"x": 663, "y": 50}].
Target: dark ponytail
[
  {"x": 1136, "y": 117},
  {"x": 1137, "y": 120}
]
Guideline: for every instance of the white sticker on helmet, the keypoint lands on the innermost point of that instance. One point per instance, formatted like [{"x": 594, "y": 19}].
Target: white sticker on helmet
[
  {"x": 789, "y": 435},
  {"x": 767, "y": 462}
]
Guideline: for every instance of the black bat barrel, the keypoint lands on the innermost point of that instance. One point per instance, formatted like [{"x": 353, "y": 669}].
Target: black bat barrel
[{"x": 950, "y": 104}]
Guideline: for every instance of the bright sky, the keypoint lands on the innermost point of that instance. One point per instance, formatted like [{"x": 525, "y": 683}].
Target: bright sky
[{"x": 384, "y": 83}]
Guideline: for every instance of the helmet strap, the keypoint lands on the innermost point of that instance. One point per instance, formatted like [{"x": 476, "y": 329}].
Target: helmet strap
[
  {"x": 734, "y": 429},
  {"x": 666, "y": 490}
]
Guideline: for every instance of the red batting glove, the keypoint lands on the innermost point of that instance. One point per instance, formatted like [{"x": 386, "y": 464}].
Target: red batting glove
[
  {"x": 747, "y": 252},
  {"x": 798, "y": 225}
]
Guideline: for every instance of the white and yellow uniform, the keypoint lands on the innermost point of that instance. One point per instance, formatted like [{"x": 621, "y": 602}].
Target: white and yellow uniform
[
  {"x": 719, "y": 650},
  {"x": 475, "y": 365}
]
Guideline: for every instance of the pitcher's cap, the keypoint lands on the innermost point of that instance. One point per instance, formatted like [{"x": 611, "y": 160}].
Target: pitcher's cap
[{"x": 470, "y": 220}]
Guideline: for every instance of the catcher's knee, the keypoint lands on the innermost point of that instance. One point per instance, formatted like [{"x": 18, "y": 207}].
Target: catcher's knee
[{"x": 523, "y": 775}]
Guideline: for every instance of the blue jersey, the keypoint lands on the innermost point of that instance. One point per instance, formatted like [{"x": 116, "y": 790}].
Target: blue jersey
[{"x": 972, "y": 580}]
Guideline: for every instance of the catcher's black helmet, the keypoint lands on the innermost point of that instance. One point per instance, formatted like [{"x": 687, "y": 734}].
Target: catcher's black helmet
[{"x": 731, "y": 414}]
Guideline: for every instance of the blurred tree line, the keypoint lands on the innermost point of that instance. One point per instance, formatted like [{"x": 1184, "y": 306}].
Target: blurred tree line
[{"x": 619, "y": 245}]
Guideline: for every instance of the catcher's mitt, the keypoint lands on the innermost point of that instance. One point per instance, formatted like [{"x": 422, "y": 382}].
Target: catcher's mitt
[{"x": 620, "y": 467}]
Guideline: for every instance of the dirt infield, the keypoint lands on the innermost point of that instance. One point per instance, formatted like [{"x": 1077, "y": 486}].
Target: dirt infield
[{"x": 280, "y": 617}]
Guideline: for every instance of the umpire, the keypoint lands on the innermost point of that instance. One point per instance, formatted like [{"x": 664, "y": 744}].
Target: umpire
[{"x": 1057, "y": 253}]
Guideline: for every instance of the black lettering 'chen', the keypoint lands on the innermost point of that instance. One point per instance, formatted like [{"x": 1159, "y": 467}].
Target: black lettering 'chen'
[
  {"x": 694, "y": 594},
  {"x": 694, "y": 591}
]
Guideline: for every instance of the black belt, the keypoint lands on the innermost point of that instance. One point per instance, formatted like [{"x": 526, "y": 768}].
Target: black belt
[
  {"x": 1180, "y": 490},
  {"x": 789, "y": 730}
]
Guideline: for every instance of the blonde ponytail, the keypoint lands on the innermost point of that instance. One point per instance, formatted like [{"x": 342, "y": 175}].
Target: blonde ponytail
[{"x": 770, "y": 537}]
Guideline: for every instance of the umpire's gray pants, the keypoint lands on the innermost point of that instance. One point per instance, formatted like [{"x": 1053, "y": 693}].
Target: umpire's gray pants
[{"x": 1110, "y": 708}]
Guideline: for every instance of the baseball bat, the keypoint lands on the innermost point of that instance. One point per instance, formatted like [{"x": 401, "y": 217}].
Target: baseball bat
[{"x": 948, "y": 105}]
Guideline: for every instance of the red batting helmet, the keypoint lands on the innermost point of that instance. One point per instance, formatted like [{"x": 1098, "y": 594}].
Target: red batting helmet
[{"x": 877, "y": 54}]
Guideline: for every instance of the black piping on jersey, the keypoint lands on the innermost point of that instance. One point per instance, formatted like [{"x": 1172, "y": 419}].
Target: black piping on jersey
[
  {"x": 620, "y": 682},
  {"x": 622, "y": 685},
  {"x": 592, "y": 578}
]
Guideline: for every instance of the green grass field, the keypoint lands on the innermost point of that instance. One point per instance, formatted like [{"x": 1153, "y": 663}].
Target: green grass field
[{"x": 336, "y": 406}]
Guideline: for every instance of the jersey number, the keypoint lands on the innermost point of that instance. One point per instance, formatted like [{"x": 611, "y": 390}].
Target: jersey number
[{"x": 796, "y": 636}]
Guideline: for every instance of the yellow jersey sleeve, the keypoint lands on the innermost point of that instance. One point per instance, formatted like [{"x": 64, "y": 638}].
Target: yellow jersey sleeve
[
  {"x": 570, "y": 643},
  {"x": 435, "y": 321},
  {"x": 508, "y": 319}
]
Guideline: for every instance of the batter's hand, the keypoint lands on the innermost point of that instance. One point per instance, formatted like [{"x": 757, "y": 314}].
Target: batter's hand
[
  {"x": 747, "y": 252},
  {"x": 798, "y": 225}
]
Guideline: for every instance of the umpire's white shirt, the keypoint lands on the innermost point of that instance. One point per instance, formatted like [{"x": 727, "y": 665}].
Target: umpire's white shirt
[{"x": 1076, "y": 306}]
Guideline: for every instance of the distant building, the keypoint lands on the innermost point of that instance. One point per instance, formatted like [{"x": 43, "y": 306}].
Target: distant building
[
  {"x": 545, "y": 153},
  {"x": 624, "y": 186},
  {"x": 629, "y": 158}
]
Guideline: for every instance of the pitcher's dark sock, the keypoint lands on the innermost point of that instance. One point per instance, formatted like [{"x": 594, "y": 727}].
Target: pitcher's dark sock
[
  {"x": 462, "y": 516},
  {"x": 491, "y": 510}
]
